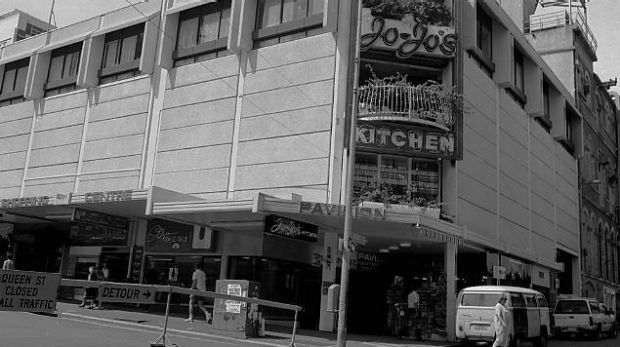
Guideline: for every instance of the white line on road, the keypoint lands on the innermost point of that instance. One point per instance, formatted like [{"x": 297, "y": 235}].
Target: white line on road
[{"x": 116, "y": 323}]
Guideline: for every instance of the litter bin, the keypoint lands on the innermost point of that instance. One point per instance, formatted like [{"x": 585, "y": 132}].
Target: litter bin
[{"x": 237, "y": 318}]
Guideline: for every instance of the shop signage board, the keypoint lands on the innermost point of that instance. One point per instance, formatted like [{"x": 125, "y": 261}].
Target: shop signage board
[
  {"x": 367, "y": 261},
  {"x": 407, "y": 37},
  {"x": 127, "y": 293},
  {"x": 25, "y": 202},
  {"x": 167, "y": 236},
  {"x": 28, "y": 291},
  {"x": 83, "y": 234},
  {"x": 321, "y": 209},
  {"x": 291, "y": 228},
  {"x": 108, "y": 196},
  {"x": 85, "y": 216},
  {"x": 499, "y": 272},
  {"x": 406, "y": 139}
]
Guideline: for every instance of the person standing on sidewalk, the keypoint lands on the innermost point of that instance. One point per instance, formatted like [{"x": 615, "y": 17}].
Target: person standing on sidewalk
[
  {"x": 199, "y": 278},
  {"x": 8, "y": 263}
]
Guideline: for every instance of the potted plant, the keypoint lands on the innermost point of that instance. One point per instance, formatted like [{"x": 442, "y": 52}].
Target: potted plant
[{"x": 426, "y": 12}]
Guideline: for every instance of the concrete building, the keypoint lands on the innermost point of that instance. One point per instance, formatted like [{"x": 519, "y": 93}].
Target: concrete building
[
  {"x": 17, "y": 25},
  {"x": 564, "y": 39},
  {"x": 160, "y": 135}
]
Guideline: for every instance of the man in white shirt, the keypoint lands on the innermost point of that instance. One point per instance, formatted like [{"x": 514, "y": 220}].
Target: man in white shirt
[
  {"x": 199, "y": 278},
  {"x": 8, "y": 263}
]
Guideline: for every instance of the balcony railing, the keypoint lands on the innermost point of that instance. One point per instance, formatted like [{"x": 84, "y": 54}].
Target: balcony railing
[
  {"x": 428, "y": 104},
  {"x": 561, "y": 18}
]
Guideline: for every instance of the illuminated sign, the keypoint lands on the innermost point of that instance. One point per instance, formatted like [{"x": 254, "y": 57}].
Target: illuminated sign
[
  {"x": 290, "y": 228},
  {"x": 409, "y": 139},
  {"x": 407, "y": 37}
]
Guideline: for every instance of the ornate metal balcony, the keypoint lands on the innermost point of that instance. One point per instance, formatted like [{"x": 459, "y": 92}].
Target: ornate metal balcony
[{"x": 430, "y": 104}]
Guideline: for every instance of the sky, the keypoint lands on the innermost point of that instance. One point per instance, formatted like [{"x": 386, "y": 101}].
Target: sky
[
  {"x": 604, "y": 20},
  {"x": 66, "y": 11}
]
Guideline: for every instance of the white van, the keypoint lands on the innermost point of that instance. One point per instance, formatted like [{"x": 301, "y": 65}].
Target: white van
[{"x": 476, "y": 307}]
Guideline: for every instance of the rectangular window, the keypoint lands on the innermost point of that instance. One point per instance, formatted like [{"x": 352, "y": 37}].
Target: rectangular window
[
  {"x": 484, "y": 33},
  {"x": 546, "y": 104},
  {"x": 518, "y": 71},
  {"x": 62, "y": 75},
  {"x": 121, "y": 54},
  {"x": 280, "y": 21},
  {"x": 203, "y": 33},
  {"x": 14, "y": 82},
  {"x": 409, "y": 180}
]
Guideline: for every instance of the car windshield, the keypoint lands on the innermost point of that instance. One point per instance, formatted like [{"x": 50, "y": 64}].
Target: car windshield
[
  {"x": 480, "y": 299},
  {"x": 572, "y": 306}
]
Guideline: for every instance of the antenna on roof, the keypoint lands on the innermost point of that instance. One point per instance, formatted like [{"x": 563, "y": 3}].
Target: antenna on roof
[{"x": 49, "y": 23}]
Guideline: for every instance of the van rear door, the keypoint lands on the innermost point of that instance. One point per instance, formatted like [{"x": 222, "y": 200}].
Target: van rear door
[{"x": 475, "y": 314}]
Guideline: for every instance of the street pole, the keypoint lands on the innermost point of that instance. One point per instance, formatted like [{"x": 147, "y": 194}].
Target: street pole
[{"x": 348, "y": 200}]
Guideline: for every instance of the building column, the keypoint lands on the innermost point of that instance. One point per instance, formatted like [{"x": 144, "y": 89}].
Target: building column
[
  {"x": 328, "y": 276},
  {"x": 576, "y": 276},
  {"x": 450, "y": 270},
  {"x": 224, "y": 267}
]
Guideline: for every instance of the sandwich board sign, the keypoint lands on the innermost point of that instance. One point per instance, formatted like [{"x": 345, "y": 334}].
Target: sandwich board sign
[
  {"x": 127, "y": 293},
  {"x": 28, "y": 291}
]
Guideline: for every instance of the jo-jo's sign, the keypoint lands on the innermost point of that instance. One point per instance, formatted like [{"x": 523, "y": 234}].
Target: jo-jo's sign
[
  {"x": 407, "y": 37},
  {"x": 406, "y": 139}
]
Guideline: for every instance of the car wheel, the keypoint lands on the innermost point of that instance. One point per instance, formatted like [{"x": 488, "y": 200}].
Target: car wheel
[{"x": 558, "y": 334}]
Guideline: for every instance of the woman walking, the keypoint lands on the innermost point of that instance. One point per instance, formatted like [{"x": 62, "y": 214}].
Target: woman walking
[{"x": 500, "y": 320}]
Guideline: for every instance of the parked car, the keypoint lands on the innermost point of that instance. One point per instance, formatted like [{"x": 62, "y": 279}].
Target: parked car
[
  {"x": 582, "y": 316},
  {"x": 476, "y": 308}
]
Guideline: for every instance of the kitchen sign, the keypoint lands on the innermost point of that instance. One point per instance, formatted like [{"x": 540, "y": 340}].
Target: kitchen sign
[
  {"x": 406, "y": 139},
  {"x": 290, "y": 228},
  {"x": 407, "y": 37}
]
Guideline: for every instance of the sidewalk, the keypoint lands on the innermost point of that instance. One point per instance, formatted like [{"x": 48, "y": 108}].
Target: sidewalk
[{"x": 274, "y": 336}]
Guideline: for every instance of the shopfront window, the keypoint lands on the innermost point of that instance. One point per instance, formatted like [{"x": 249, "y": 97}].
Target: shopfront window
[
  {"x": 279, "y": 21},
  {"x": 414, "y": 179},
  {"x": 203, "y": 33}
]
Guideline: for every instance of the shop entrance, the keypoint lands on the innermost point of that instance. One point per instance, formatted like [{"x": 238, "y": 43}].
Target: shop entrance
[{"x": 405, "y": 295}]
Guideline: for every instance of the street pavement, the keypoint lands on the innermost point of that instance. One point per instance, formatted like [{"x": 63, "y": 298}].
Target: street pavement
[
  {"x": 78, "y": 327},
  {"x": 117, "y": 326}
]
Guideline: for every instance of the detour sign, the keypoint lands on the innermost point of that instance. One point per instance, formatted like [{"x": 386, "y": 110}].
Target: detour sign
[
  {"x": 116, "y": 292},
  {"x": 28, "y": 291}
]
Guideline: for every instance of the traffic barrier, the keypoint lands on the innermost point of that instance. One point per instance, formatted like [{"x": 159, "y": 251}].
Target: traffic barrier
[{"x": 145, "y": 293}]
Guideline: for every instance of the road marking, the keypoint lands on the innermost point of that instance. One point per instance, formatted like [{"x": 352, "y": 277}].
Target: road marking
[{"x": 178, "y": 331}]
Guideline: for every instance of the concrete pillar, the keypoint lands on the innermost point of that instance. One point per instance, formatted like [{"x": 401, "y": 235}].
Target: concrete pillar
[
  {"x": 328, "y": 276},
  {"x": 224, "y": 267},
  {"x": 449, "y": 263},
  {"x": 577, "y": 290}
]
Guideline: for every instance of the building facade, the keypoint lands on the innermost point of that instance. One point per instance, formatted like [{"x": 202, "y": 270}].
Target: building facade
[
  {"x": 569, "y": 47},
  {"x": 17, "y": 25},
  {"x": 163, "y": 134}
]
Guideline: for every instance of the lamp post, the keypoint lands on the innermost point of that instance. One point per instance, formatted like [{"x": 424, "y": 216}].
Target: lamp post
[{"x": 348, "y": 202}]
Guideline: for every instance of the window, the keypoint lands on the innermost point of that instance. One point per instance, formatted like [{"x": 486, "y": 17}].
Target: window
[
  {"x": 516, "y": 300},
  {"x": 484, "y": 41},
  {"x": 280, "y": 21},
  {"x": 203, "y": 33},
  {"x": 530, "y": 300},
  {"x": 121, "y": 54},
  {"x": 518, "y": 71},
  {"x": 542, "y": 302},
  {"x": 594, "y": 307},
  {"x": 63, "y": 70},
  {"x": 14, "y": 82},
  {"x": 411, "y": 178},
  {"x": 571, "y": 306},
  {"x": 480, "y": 299}
]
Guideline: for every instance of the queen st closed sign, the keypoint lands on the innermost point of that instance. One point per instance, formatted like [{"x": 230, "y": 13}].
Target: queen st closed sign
[{"x": 28, "y": 291}]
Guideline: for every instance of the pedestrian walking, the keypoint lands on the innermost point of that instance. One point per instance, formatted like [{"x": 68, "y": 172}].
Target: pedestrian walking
[
  {"x": 91, "y": 293},
  {"x": 8, "y": 264},
  {"x": 500, "y": 321},
  {"x": 199, "y": 278}
]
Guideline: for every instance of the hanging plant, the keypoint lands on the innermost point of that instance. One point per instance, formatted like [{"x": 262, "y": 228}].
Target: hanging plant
[{"x": 427, "y": 12}]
